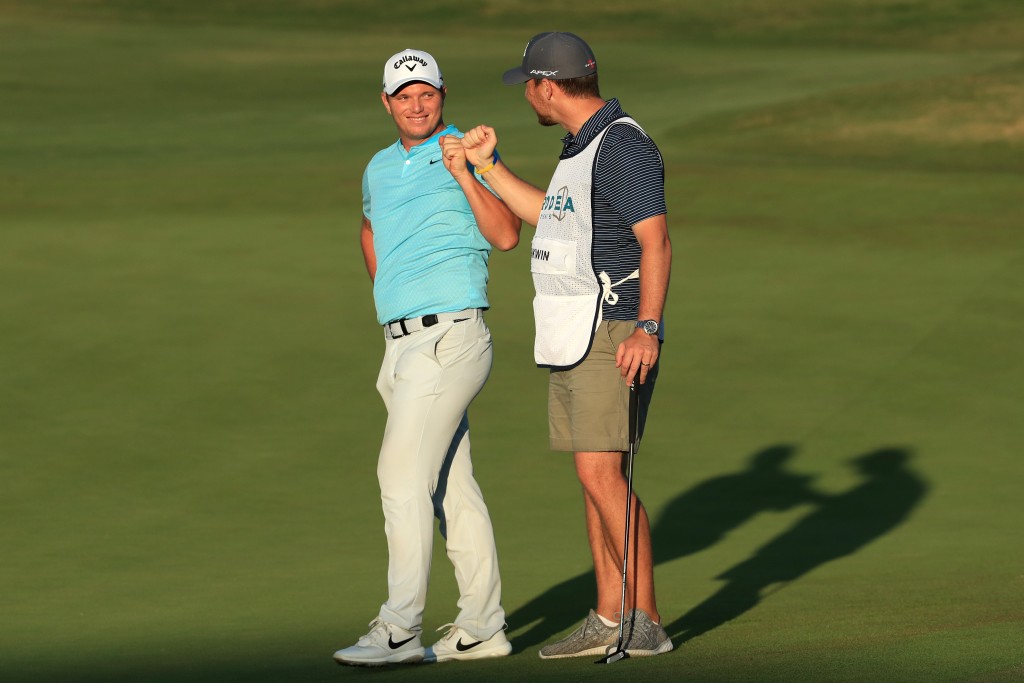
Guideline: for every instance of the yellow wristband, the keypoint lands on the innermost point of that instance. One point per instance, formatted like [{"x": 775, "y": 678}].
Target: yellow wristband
[{"x": 485, "y": 169}]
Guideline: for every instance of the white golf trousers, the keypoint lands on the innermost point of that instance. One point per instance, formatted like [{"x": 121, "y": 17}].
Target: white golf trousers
[{"x": 427, "y": 381}]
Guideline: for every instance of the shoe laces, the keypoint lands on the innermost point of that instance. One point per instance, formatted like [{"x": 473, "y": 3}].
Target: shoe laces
[
  {"x": 378, "y": 625},
  {"x": 452, "y": 630}
]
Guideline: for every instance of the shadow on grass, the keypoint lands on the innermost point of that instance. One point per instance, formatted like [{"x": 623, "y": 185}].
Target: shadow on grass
[
  {"x": 700, "y": 517},
  {"x": 836, "y": 526},
  {"x": 840, "y": 525}
]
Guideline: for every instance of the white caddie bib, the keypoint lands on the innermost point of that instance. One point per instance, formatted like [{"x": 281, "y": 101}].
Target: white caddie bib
[{"x": 570, "y": 295}]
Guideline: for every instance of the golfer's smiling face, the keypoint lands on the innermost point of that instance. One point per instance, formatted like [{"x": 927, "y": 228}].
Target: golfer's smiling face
[{"x": 416, "y": 109}]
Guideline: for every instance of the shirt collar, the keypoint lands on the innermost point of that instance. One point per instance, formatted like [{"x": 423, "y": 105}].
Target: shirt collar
[
  {"x": 573, "y": 144},
  {"x": 426, "y": 144}
]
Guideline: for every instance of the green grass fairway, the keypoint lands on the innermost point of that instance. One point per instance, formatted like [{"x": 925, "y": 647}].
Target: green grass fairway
[{"x": 188, "y": 420}]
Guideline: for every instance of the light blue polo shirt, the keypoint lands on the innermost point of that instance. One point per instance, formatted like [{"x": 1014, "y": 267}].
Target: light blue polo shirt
[{"x": 431, "y": 257}]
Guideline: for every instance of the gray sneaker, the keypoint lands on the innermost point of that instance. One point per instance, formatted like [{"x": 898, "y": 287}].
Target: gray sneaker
[
  {"x": 591, "y": 638},
  {"x": 644, "y": 638}
]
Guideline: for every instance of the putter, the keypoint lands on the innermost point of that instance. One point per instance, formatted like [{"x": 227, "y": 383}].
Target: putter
[{"x": 634, "y": 416}]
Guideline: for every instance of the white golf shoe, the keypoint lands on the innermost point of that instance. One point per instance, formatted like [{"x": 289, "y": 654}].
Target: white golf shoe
[
  {"x": 384, "y": 644},
  {"x": 460, "y": 644}
]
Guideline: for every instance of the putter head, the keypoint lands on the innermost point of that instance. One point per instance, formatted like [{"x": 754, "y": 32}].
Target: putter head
[{"x": 613, "y": 656}]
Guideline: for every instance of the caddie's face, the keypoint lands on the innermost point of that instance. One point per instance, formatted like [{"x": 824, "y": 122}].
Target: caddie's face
[
  {"x": 417, "y": 110},
  {"x": 538, "y": 94}
]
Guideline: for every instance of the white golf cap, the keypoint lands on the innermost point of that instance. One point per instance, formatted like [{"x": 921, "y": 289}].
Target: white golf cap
[{"x": 411, "y": 66}]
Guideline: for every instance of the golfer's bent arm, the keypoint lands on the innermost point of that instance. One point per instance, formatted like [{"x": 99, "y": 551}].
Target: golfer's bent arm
[
  {"x": 366, "y": 241},
  {"x": 496, "y": 222},
  {"x": 494, "y": 218}
]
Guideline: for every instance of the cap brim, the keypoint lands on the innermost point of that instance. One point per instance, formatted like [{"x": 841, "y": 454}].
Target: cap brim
[
  {"x": 516, "y": 75},
  {"x": 395, "y": 88}
]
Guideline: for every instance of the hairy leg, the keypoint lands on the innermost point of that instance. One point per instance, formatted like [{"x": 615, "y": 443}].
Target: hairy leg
[{"x": 604, "y": 492}]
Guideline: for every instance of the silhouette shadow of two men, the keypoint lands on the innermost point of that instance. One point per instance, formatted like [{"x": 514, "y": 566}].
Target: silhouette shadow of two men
[
  {"x": 698, "y": 518},
  {"x": 839, "y": 526}
]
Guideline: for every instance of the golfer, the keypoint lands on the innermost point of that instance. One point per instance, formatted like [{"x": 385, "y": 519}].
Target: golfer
[
  {"x": 601, "y": 259},
  {"x": 429, "y": 224}
]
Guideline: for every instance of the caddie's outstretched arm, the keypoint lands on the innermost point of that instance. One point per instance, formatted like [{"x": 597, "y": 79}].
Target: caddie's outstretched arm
[{"x": 522, "y": 197}]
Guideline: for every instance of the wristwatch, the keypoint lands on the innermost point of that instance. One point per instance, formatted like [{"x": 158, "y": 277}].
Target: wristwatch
[{"x": 648, "y": 326}]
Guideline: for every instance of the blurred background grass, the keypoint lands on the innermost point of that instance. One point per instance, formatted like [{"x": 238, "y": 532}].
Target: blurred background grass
[{"x": 188, "y": 426}]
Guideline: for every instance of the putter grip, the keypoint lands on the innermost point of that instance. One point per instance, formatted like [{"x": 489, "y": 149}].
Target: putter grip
[{"x": 634, "y": 414}]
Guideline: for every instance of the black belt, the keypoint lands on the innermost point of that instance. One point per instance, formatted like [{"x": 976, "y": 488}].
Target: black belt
[{"x": 396, "y": 329}]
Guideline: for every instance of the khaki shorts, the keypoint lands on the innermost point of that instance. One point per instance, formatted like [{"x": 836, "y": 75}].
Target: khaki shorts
[{"x": 588, "y": 405}]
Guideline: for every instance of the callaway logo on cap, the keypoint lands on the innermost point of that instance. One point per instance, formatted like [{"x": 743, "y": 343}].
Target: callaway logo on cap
[
  {"x": 411, "y": 66},
  {"x": 553, "y": 55}
]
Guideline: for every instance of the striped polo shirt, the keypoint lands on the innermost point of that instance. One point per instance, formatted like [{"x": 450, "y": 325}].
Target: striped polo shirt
[
  {"x": 629, "y": 187},
  {"x": 431, "y": 257}
]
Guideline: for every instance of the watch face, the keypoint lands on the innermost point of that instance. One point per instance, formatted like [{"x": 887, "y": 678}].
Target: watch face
[{"x": 649, "y": 326}]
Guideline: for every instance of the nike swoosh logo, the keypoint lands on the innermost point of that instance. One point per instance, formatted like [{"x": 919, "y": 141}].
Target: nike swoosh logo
[
  {"x": 434, "y": 161},
  {"x": 394, "y": 646},
  {"x": 462, "y": 647}
]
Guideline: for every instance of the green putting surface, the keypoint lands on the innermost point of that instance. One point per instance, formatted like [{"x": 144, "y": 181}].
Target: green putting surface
[{"x": 188, "y": 349}]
